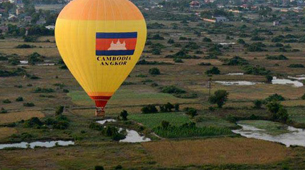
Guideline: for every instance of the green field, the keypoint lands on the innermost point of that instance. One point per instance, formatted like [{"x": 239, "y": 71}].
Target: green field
[
  {"x": 154, "y": 120},
  {"x": 130, "y": 96},
  {"x": 297, "y": 114}
]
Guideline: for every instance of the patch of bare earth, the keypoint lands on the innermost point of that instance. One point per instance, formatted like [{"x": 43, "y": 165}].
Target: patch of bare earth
[{"x": 216, "y": 151}]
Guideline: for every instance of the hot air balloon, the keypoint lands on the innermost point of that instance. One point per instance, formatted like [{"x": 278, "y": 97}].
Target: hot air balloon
[{"x": 100, "y": 41}]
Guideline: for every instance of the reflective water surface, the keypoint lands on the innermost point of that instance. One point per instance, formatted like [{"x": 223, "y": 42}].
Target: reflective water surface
[{"x": 294, "y": 136}]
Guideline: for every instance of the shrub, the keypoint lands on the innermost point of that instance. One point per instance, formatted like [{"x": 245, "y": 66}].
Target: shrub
[
  {"x": 112, "y": 132},
  {"x": 16, "y": 72},
  {"x": 256, "y": 47},
  {"x": 33, "y": 77},
  {"x": 96, "y": 126},
  {"x": 65, "y": 91},
  {"x": 61, "y": 122},
  {"x": 144, "y": 62},
  {"x": 28, "y": 104},
  {"x": 98, "y": 167},
  {"x": 154, "y": 84},
  {"x": 157, "y": 37},
  {"x": 186, "y": 95},
  {"x": 33, "y": 123},
  {"x": 3, "y": 110},
  {"x": 25, "y": 46},
  {"x": 141, "y": 75},
  {"x": 204, "y": 64},
  {"x": 275, "y": 97},
  {"x": 124, "y": 114},
  {"x": 3, "y": 58},
  {"x": 22, "y": 136},
  {"x": 34, "y": 58},
  {"x": 192, "y": 45},
  {"x": 236, "y": 61},
  {"x": 296, "y": 66},
  {"x": 170, "y": 41},
  {"x": 14, "y": 61},
  {"x": 211, "y": 108},
  {"x": 205, "y": 39},
  {"x": 149, "y": 109},
  {"x": 190, "y": 111},
  {"x": 154, "y": 71},
  {"x": 6, "y": 101},
  {"x": 210, "y": 56},
  {"x": 257, "y": 70},
  {"x": 118, "y": 167},
  {"x": 166, "y": 107},
  {"x": 177, "y": 60},
  {"x": 18, "y": 86},
  {"x": 43, "y": 90},
  {"x": 303, "y": 97},
  {"x": 165, "y": 124},
  {"x": 19, "y": 99},
  {"x": 220, "y": 97},
  {"x": 213, "y": 70},
  {"x": 172, "y": 89},
  {"x": 241, "y": 41},
  {"x": 30, "y": 39},
  {"x": 280, "y": 57}
]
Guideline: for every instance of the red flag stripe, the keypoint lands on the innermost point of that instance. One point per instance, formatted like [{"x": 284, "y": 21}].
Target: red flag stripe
[{"x": 104, "y": 44}]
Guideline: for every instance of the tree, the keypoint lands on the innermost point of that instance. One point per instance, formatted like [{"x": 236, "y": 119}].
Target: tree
[
  {"x": 168, "y": 107},
  {"x": 176, "y": 107},
  {"x": 154, "y": 71},
  {"x": 124, "y": 114},
  {"x": 19, "y": 99},
  {"x": 269, "y": 78},
  {"x": 149, "y": 109},
  {"x": 273, "y": 107},
  {"x": 278, "y": 112},
  {"x": 220, "y": 97},
  {"x": 282, "y": 115},
  {"x": 190, "y": 111},
  {"x": 258, "y": 104}
]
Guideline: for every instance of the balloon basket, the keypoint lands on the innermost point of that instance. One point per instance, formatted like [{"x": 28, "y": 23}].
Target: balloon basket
[{"x": 100, "y": 112}]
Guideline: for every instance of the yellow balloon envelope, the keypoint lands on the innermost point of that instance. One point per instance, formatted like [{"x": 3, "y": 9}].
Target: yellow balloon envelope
[{"x": 100, "y": 41}]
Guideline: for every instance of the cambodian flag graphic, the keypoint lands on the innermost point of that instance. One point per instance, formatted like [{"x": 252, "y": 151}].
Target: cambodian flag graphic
[{"x": 112, "y": 44}]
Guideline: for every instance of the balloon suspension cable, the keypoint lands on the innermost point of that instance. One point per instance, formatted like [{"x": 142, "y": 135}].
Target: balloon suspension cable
[{"x": 99, "y": 112}]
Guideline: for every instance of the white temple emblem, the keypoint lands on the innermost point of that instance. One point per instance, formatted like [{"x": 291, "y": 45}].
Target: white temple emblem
[{"x": 117, "y": 46}]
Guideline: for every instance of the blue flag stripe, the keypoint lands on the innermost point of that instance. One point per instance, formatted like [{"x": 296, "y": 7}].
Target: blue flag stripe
[
  {"x": 114, "y": 52},
  {"x": 117, "y": 35}
]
